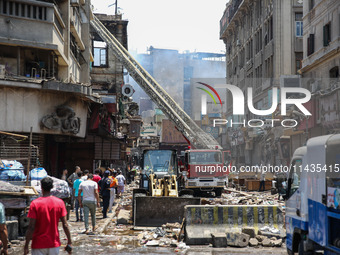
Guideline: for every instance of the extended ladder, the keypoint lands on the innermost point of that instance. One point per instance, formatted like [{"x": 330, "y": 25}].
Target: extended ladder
[{"x": 198, "y": 138}]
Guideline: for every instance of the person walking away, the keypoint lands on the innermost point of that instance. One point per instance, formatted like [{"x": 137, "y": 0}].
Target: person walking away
[
  {"x": 78, "y": 209},
  {"x": 86, "y": 174},
  {"x": 105, "y": 192},
  {"x": 89, "y": 188},
  {"x": 70, "y": 181},
  {"x": 45, "y": 213},
  {"x": 121, "y": 182},
  {"x": 64, "y": 175},
  {"x": 262, "y": 180},
  {"x": 113, "y": 185},
  {"x": 3, "y": 230},
  {"x": 96, "y": 176}
]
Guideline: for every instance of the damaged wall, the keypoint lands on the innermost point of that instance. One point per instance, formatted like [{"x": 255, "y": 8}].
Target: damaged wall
[{"x": 22, "y": 108}]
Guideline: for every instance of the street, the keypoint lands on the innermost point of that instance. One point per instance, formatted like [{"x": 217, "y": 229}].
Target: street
[{"x": 113, "y": 238}]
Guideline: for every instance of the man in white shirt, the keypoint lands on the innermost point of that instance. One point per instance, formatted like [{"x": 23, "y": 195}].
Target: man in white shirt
[
  {"x": 90, "y": 199},
  {"x": 121, "y": 182},
  {"x": 86, "y": 174}
]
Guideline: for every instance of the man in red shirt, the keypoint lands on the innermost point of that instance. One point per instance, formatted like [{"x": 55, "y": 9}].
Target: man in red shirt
[
  {"x": 96, "y": 177},
  {"x": 45, "y": 213}
]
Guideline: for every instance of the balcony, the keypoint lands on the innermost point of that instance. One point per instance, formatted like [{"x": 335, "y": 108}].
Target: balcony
[
  {"x": 76, "y": 28},
  {"x": 31, "y": 24},
  {"x": 229, "y": 13}
]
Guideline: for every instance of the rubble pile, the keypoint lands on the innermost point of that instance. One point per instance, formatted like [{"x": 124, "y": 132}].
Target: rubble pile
[
  {"x": 166, "y": 236},
  {"x": 266, "y": 237},
  {"x": 235, "y": 197}
]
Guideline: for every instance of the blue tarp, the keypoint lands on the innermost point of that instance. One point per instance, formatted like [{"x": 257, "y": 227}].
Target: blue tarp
[
  {"x": 38, "y": 174},
  {"x": 11, "y": 170}
]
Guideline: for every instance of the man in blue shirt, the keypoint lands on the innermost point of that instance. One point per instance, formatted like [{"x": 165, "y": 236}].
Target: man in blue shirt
[{"x": 76, "y": 184}]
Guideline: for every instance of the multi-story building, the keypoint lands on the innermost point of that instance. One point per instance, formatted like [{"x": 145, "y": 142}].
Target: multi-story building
[
  {"x": 174, "y": 71},
  {"x": 320, "y": 68},
  {"x": 115, "y": 126},
  {"x": 178, "y": 73},
  {"x": 45, "y": 58},
  {"x": 264, "y": 48}
]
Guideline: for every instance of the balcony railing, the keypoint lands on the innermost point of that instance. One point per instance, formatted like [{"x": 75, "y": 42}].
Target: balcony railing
[
  {"x": 26, "y": 9},
  {"x": 228, "y": 15}
]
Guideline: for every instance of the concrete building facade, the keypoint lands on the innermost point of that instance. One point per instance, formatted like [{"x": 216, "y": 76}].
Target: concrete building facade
[
  {"x": 45, "y": 59},
  {"x": 264, "y": 49},
  {"x": 320, "y": 69},
  {"x": 115, "y": 124}
]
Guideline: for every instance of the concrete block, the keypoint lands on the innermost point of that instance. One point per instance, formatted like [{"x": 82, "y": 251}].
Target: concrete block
[
  {"x": 237, "y": 239},
  {"x": 267, "y": 243},
  {"x": 219, "y": 240},
  {"x": 204, "y": 220},
  {"x": 13, "y": 229},
  {"x": 123, "y": 217},
  {"x": 249, "y": 231},
  {"x": 260, "y": 238},
  {"x": 277, "y": 243},
  {"x": 253, "y": 242}
]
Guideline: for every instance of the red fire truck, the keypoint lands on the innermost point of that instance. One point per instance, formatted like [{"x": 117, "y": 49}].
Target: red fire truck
[{"x": 206, "y": 170}]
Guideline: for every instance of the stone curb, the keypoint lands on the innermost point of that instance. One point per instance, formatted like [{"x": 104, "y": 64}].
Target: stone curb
[{"x": 107, "y": 221}]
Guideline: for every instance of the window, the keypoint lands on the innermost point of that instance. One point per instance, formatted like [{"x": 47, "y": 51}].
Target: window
[
  {"x": 298, "y": 61},
  {"x": 334, "y": 72},
  {"x": 311, "y": 4},
  {"x": 99, "y": 54},
  {"x": 298, "y": 24},
  {"x": 294, "y": 176},
  {"x": 310, "y": 44},
  {"x": 327, "y": 34}
]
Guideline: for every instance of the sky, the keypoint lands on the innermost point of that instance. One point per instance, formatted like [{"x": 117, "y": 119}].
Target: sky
[{"x": 181, "y": 25}]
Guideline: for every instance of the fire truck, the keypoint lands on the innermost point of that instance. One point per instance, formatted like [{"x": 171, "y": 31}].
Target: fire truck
[{"x": 206, "y": 170}]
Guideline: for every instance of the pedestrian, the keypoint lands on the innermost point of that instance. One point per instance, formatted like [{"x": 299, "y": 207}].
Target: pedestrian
[
  {"x": 113, "y": 185},
  {"x": 70, "y": 181},
  {"x": 3, "y": 230},
  {"x": 76, "y": 185},
  {"x": 262, "y": 180},
  {"x": 121, "y": 182},
  {"x": 105, "y": 192},
  {"x": 89, "y": 188},
  {"x": 45, "y": 213},
  {"x": 73, "y": 176},
  {"x": 86, "y": 173},
  {"x": 96, "y": 176},
  {"x": 64, "y": 175}
]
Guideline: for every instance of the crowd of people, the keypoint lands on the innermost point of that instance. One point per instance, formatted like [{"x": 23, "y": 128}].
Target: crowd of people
[{"x": 89, "y": 191}]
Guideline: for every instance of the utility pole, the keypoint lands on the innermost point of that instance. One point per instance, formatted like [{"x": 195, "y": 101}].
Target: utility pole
[{"x": 116, "y": 8}]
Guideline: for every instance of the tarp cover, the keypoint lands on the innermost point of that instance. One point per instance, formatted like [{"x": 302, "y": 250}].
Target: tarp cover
[
  {"x": 60, "y": 188},
  {"x": 38, "y": 173}
]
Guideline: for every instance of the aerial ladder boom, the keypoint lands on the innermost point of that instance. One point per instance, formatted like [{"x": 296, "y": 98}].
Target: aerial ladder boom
[{"x": 198, "y": 138}]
